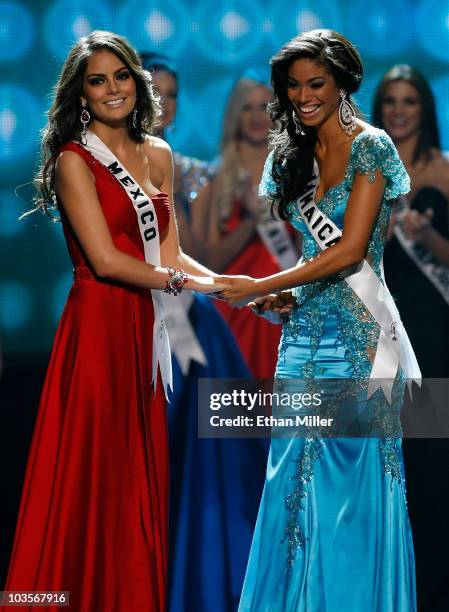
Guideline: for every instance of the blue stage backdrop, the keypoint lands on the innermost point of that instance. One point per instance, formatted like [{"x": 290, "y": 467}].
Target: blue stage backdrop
[{"x": 211, "y": 42}]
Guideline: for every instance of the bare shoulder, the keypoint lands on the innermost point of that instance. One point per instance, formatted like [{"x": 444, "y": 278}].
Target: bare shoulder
[
  {"x": 161, "y": 159},
  {"x": 158, "y": 148},
  {"x": 70, "y": 165}
]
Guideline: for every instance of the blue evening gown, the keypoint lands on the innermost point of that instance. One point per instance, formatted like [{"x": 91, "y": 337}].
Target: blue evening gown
[{"x": 333, "y": 533}]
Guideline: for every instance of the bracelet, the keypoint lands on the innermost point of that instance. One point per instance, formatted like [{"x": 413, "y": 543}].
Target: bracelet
[{"x": 176, "y": 282}]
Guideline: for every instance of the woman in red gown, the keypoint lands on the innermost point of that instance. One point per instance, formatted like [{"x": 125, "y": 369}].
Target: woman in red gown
[{"x": 93, "y": 513}]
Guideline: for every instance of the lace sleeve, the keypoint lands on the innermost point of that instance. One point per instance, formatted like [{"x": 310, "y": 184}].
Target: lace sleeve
[
  {"x": 376, "y": 151},
  {"x": 267, "y": 185}
]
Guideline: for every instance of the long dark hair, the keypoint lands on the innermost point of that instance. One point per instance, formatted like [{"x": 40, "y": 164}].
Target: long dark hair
[
  {"x": 64, "y": 114},
  {"x": 294, "y": 153},
  {"x": 428, "y": 135}
]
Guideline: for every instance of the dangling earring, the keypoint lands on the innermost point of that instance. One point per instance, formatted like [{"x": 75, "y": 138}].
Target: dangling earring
[
  {"x": 346, "y": 114},
  {"x": 299, "y": 128},
  {"x": 134, "y": 118},
  {"x": 84, "y": 118}
]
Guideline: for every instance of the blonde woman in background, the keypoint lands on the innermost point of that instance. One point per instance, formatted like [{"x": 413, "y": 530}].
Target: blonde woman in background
[{"x": 239, "y": 233}]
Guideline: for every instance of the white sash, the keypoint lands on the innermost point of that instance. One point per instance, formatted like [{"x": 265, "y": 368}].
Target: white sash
[
  {"x": 436, "y": 272},
  {"x": 276, "y": 238},
  {"x": 149, "y": 231},
  {"x": 393, "y": 348},
  {"x": 183, "y": 340}
]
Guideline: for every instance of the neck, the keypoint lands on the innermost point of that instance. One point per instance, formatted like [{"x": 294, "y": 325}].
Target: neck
[
  {"x": 406, "y": 148},
  {"x": 330, "y": 134},
  {"x": 115, "y": 138}
]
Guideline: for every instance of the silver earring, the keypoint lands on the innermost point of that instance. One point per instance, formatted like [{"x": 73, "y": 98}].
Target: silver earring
[
  {"x": 299, "y": 128},
  {"x": 346, "y": 114},
  {"x": 84, "y": 118},
  {"x": 134, "y": 118}
]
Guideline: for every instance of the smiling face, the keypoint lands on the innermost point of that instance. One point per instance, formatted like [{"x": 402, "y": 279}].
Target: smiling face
[
  {"x": 167, "y": 87},
  {"x": 254, "y": 121},
  {"x": 109, "y": 88},
  {"x": 401, "y": 110},
  {"x": 313, "y": 92}
]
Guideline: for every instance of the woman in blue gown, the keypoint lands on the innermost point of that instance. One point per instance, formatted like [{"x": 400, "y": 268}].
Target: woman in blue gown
[
  {"x": 215, "y": 484},
  {"x": 332, "y": 534}
]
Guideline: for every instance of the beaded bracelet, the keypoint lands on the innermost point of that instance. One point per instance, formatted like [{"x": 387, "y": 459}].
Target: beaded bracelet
[{"x": 176, "y": 282}]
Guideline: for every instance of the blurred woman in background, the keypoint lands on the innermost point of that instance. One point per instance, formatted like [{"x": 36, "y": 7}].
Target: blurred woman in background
[
  {"x": 238, "y": 230},
  {"x": 190, "y": 174},
  {"x": 416, "y": 262},
  {"x": 215, "y": 483},
  {"x": 416, "y": 259}
]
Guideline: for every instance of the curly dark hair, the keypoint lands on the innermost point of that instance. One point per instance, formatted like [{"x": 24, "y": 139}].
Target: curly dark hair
[
  {"x": 64, "y": 115},
  {"x": 429, "y": 136},
  {"x": 294, "y": 153}
]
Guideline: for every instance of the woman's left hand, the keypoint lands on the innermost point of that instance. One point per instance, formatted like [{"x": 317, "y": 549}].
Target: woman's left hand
[{"x": 240, "y": 289}]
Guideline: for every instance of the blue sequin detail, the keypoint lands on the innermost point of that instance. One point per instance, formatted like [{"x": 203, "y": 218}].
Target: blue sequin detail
[
  {"x": 191, "y": 175},
  {"x": 371, "y": 151},
  {"x": 294, "y": 535}
]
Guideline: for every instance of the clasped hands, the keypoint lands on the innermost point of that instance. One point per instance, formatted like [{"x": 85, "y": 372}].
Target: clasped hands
[{"x": 247, "y": 291}]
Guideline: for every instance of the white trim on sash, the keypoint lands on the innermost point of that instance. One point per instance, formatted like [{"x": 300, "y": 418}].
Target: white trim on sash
[
  {"x": 149, "y": 231},
  {"x": 436, "y": 272},
  {"x": 393, "y": 348}
]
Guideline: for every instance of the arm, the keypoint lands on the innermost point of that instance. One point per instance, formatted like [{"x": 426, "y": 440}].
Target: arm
[
  {"x": 187, "y": 240},
  {"x": 419, "y": 228},
  {"x": 171, "y": 252},
  {"x": 221, "y": 251},
  {"x": 75, "y": 186},
  {"x": 360, "y": 215}
]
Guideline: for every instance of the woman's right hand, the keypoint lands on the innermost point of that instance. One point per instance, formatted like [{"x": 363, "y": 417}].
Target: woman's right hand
[{"x": 280, "y": 304}]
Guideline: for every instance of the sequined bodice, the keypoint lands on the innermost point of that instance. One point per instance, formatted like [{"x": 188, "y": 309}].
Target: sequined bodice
[
  {"x": 332, "y": 297},
  {"x": 367, "y": 151}
]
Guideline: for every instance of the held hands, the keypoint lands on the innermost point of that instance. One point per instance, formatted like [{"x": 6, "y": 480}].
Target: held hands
[{"x": 239, "y": 290}]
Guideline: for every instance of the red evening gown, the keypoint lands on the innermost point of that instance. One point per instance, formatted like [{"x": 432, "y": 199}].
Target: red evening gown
[
  {"x": 93, "y": 516},
  {"x": 257, "y": 338}
]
